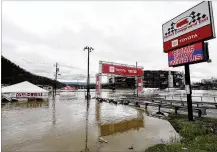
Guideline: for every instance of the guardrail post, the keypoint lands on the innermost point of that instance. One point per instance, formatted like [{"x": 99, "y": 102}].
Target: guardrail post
[
  {"x": 176, "y": 109},
  {"x": 137, "y": 104},
  {"x": 199, "y": 113},
  {"x": 146, "y": 105},
  {"x": 159, "y": 108}
]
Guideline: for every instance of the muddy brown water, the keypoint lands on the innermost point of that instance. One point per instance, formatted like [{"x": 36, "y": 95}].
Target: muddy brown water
[{"x": 68, "y": 123}]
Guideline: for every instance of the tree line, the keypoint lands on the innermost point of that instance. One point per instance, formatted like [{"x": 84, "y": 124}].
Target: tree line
[{"x": 12, "y": 74}]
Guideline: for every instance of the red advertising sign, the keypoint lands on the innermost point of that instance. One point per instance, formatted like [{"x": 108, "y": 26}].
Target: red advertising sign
[
  {"x": 121, "y": 70},
  {"x": 192, "y": 26},
  {"x": 140, "y": 84}
]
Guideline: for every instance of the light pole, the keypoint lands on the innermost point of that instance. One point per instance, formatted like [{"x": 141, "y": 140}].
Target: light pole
[
  {"x": 89, "y": 49},
  {"x": 56, "y": 74}
]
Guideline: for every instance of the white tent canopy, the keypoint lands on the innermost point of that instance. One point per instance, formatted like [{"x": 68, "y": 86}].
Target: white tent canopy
[{"x": 25, "y": 89}]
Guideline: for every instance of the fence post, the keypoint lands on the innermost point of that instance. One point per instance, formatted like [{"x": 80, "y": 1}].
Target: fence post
[
  {"x": 159, "y": 108},
  {"x": 201, "y": 98}
]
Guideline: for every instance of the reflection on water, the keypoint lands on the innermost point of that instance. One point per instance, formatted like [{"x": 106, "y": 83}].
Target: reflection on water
[
  {"x": 122, "y": 126},
  {"x": 54, "y": 111},
  {"x": 86, "y": 125},
  {"x": 110, "y": 129},
  {"x": 27, "y": 104},
  {"x": 77, "y": 125}
]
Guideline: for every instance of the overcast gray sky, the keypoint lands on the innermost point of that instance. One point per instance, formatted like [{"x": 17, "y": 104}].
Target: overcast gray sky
[{"x": 36, "y": 34}]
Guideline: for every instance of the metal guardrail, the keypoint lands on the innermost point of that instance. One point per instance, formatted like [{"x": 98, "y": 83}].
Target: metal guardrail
[{"x": 199, "y": 98}]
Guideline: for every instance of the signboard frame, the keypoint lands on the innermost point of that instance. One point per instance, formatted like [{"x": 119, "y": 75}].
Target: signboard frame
[
  {"x": 103, "y": 73},
  {"x": 211, "y": 18},
  {"x": 123, "y": 67},
  {"x": 201, "y": 32}
]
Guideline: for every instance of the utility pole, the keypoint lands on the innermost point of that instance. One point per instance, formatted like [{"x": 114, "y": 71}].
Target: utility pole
[
  {"x": 56, "y": 72},
  {"x": 89, "y": 49}
]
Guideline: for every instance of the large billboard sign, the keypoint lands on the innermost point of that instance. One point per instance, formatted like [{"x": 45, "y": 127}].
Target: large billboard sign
[
  {"x": 122, "y": 70},
  {"x": 192, "y": 26},
  {"x": 194, "y": 53}
]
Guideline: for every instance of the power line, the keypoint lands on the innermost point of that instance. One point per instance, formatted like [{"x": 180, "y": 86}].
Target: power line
[
  {"x": 31, "y": 62},
  {"x": 73, "y": 67},
  {"x": 70, "y": 67},
  {"x": 57, "y": 69},
  {"x": 48, "y": 63}
]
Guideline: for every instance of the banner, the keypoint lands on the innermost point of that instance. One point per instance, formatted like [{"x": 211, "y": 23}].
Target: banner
[
  {"x": 194, "y": 53},
  {"x": 121, "y": 70},
  {"x": 192, "y": 26},
  {"x": 26, "y": 95}
]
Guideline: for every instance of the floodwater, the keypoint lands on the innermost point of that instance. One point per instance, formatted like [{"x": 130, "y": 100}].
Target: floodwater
[{"x": 68, "y": 123}]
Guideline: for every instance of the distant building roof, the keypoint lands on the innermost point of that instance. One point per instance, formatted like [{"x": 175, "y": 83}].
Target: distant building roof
[
  {"x": 76, "y": 83},
  {"x": 68, "y": 88}
]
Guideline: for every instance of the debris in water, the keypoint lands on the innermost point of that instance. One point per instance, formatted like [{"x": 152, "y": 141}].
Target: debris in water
[
  {"x": 131, "y": 147},
  {"x": 160, "y": 113},
  {"x": 166, "y": 114},
  {"x": 102, "y": 140}
]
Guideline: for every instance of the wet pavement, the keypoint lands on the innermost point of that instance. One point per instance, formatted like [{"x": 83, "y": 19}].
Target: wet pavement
[{"x": 68, "y": 123}]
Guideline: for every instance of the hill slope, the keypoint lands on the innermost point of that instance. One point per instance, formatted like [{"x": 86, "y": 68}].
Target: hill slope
[{"x": 12, "y": 73}]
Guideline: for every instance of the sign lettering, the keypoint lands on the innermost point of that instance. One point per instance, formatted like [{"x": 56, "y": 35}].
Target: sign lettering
[{"x": 189, "y": 54}]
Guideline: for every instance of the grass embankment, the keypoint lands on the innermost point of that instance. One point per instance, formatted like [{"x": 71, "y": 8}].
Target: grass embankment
[{"x": 197, "y": 136}]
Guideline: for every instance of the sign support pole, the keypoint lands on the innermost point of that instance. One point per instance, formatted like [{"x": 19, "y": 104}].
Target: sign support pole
[{"x": 189, "y": 92}]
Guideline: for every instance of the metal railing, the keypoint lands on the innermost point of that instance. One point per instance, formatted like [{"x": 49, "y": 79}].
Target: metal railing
[{"x": 194, "y": 98}]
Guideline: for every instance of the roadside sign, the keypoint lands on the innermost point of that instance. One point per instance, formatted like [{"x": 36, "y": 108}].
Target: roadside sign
[
  {"x": 187, "y": 89},
  {"x": 194, "y": 25}
]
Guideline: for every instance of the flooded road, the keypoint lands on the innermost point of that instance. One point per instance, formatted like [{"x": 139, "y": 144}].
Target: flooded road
[{"x": 68, "y": 123}]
